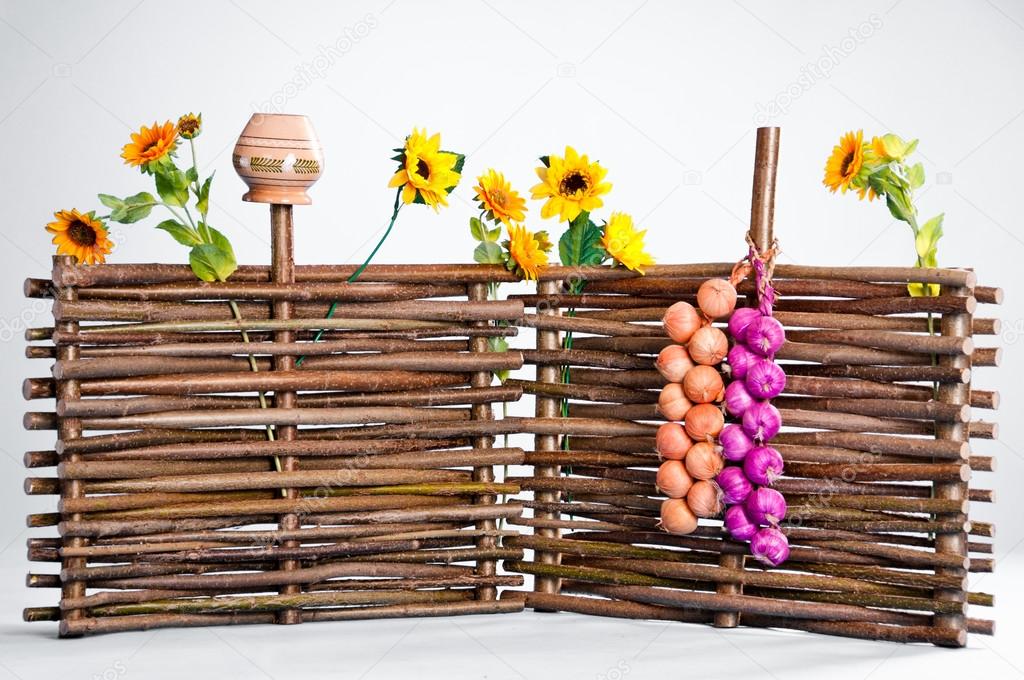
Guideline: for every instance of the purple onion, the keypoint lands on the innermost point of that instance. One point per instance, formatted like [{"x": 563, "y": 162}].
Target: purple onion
[
  {"x": 763, "y": 465},
  {"x": 740, "y": 358},
  {"x": 738, "y": 524},
  {"x": 737, "y": 398},
  {"x": 770, "y": 546},
  {"x": 765, "y": 506},
  {"x": 765, "y": 380},
  {"x": 762, "y": 421},
  {"x": 765, "y": 336},
  {"x": 734, "y": 485},
  {"x": 734, "y": 442},
  {"x": 740, "y": 319}
]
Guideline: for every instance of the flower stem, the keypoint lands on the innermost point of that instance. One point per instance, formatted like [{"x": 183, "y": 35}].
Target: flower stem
[{"x": 358, "y": 272}]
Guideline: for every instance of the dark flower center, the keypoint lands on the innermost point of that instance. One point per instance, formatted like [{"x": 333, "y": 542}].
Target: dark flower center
[
  {"x": 572, "y": 183},
  {"x": 846, "y": 164},
  {"x": 82, "y": 233},
  {"x": 422, "y": 169}
]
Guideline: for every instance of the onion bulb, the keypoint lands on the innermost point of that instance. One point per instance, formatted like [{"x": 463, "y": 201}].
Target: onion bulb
[
  {"x": 765, "y": 379},
  {"x": 770, "y": 546},
  {"x": 766, "y": 506},
  {"x": 676, "y": 517},
  {"x": 734, "y": 485},
  {"x": 672, "y": 403},
  {"x": 703, "y": 421},
  {"x": 738, "y": 524},
  {"x": 681, "y": 321},
  {"x": 716, "y": 298},
  {"x": 671, "y": 441},
  {"x": 703, "y": 461},
  {"x": 762, "y": 421},
  {"x": 734, "y": 442},
  {"x": 673, "y": 480},
  {"x": 763, "y": 465},
  {"x": 739, "y": 321},
  {"x": 702, "y": 384},
  {"x": 737, "y": 398},
  {"x": 704, "y": 498},
  {"x": 673, "y": 363},
  {"x": 708, "y": 346},
  {"x": 740, "y": 359},
  {"x": 765, "y": 336}
]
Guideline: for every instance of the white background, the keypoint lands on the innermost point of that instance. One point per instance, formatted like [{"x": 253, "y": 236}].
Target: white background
[{"x": 665, "y": 94}]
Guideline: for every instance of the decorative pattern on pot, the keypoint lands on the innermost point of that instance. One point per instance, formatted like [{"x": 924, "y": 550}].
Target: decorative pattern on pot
[{"x": 278, "y": 156}]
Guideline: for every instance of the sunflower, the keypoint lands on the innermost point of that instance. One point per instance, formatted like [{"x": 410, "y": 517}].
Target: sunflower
[
  {"x": 528, "y": 252},
  {"x": 625, "y": 244},
  {"x": 190, "y": 125},
  {"x": 426, "y": 174},
  {"x": 149, "y": 145},
  {"x": 844, "y": 166},
  {"x": 81, "y": 235},
  {"x": 571, "y": 185},
  {"x": 499, "y": 199}
]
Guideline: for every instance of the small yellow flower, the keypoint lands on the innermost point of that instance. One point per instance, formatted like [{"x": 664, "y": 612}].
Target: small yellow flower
[
  {"x": 80, "y": 235},
  {"x": 845, "y": 163},
  {"x": 190, "y": 125},
  {"x": 499, "y": 199},
  {"x": 570, "y": 185},
  {"x": 426, "y": 173},
  {"x": 527, "y": 251},
  {"x": 625, "y": 244},
  {"x": 150, "y": 144}
]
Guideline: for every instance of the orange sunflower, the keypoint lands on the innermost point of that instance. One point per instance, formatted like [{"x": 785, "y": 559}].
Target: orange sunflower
[
  {"x": 150, "y": 144},
  {"x": 499, "y": 199},
  {"x": 81, "y": 235},
  {"x": 528, "y": 252},
  {"x": 843, "y": 168}
]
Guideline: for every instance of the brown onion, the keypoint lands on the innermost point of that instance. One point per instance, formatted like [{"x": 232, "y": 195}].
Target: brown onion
[
  {"x": 673, "y": 363},
  {"x": 681, "y": 321},
  {"x": 703, "y": 422},
  {"x": 672, "y": 403},
  {"x": 671, "y": 441},
  {"x": 716, "y": 298},
  {"x": 673, "y": 480},
  {"x": 703, "y": 461},
  {"x": 708, "y": 346},
  {"x": 704, "y": 499},
  {"x": 702, "y": 384},
  {"x": 676, "y": 517}
]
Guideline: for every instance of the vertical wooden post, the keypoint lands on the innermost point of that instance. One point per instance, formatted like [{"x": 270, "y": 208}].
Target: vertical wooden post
[
  {"x": 478, "y": 292},
  {"x": 953, "y": 325},
  {"x": 762, "y": 213},
  {"x": 282, "y": 270},
  {"x": 68, "y": 429},
  {"x": 547, "y": 408}
]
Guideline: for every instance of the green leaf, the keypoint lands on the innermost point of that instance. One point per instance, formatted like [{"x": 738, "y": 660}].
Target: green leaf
[
  {"x": 915, "y": 175},
  {"x": 928, "y": 237},
  {"x": 460, "y": 162},
  {"x": 911, "y": 147},
  {"x": 489, "y": 252},
  {"x": 476, "y": 228},
  {"x": 181, "y": 233},
  {"x": 210, "y": 262},
  {"x": 134, "y": 208},
  {"x": 192, "y": 175},
  {"x": 497, "y": 344},
  {"x": 112, "y": 202},
  {"x": 203, "y": 204},
  {"x": 546, "y": 160},
  {"x": 580, "y": 245},
  {"x": 897, "y": 205},
  {"x": 172, "y": 185},
  {"x": 494, "y": 234}
]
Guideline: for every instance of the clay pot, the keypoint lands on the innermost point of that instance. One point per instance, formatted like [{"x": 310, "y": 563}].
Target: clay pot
[{"x": 278, "y": 156}]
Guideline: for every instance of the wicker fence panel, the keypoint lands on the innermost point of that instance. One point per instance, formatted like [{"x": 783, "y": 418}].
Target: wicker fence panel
[
  {"x": 879, "y": 469},
  {"x": 214, "y": 466}
]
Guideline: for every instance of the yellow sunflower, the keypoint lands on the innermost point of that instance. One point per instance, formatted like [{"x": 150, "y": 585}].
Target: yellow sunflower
[
  {"x": 190, "y": 125},
  {"x": 81, "y": 235},
  {"x": 499, "y": 199},
  {"x": 844, "y": 165},
  {"x": 426, "y": 173},
  {"x": 625, "y": 244},
  {"x": 571, "y": 185},
  {"x": 150, "y": 144},
  {"x": 528, "y": 252}
]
